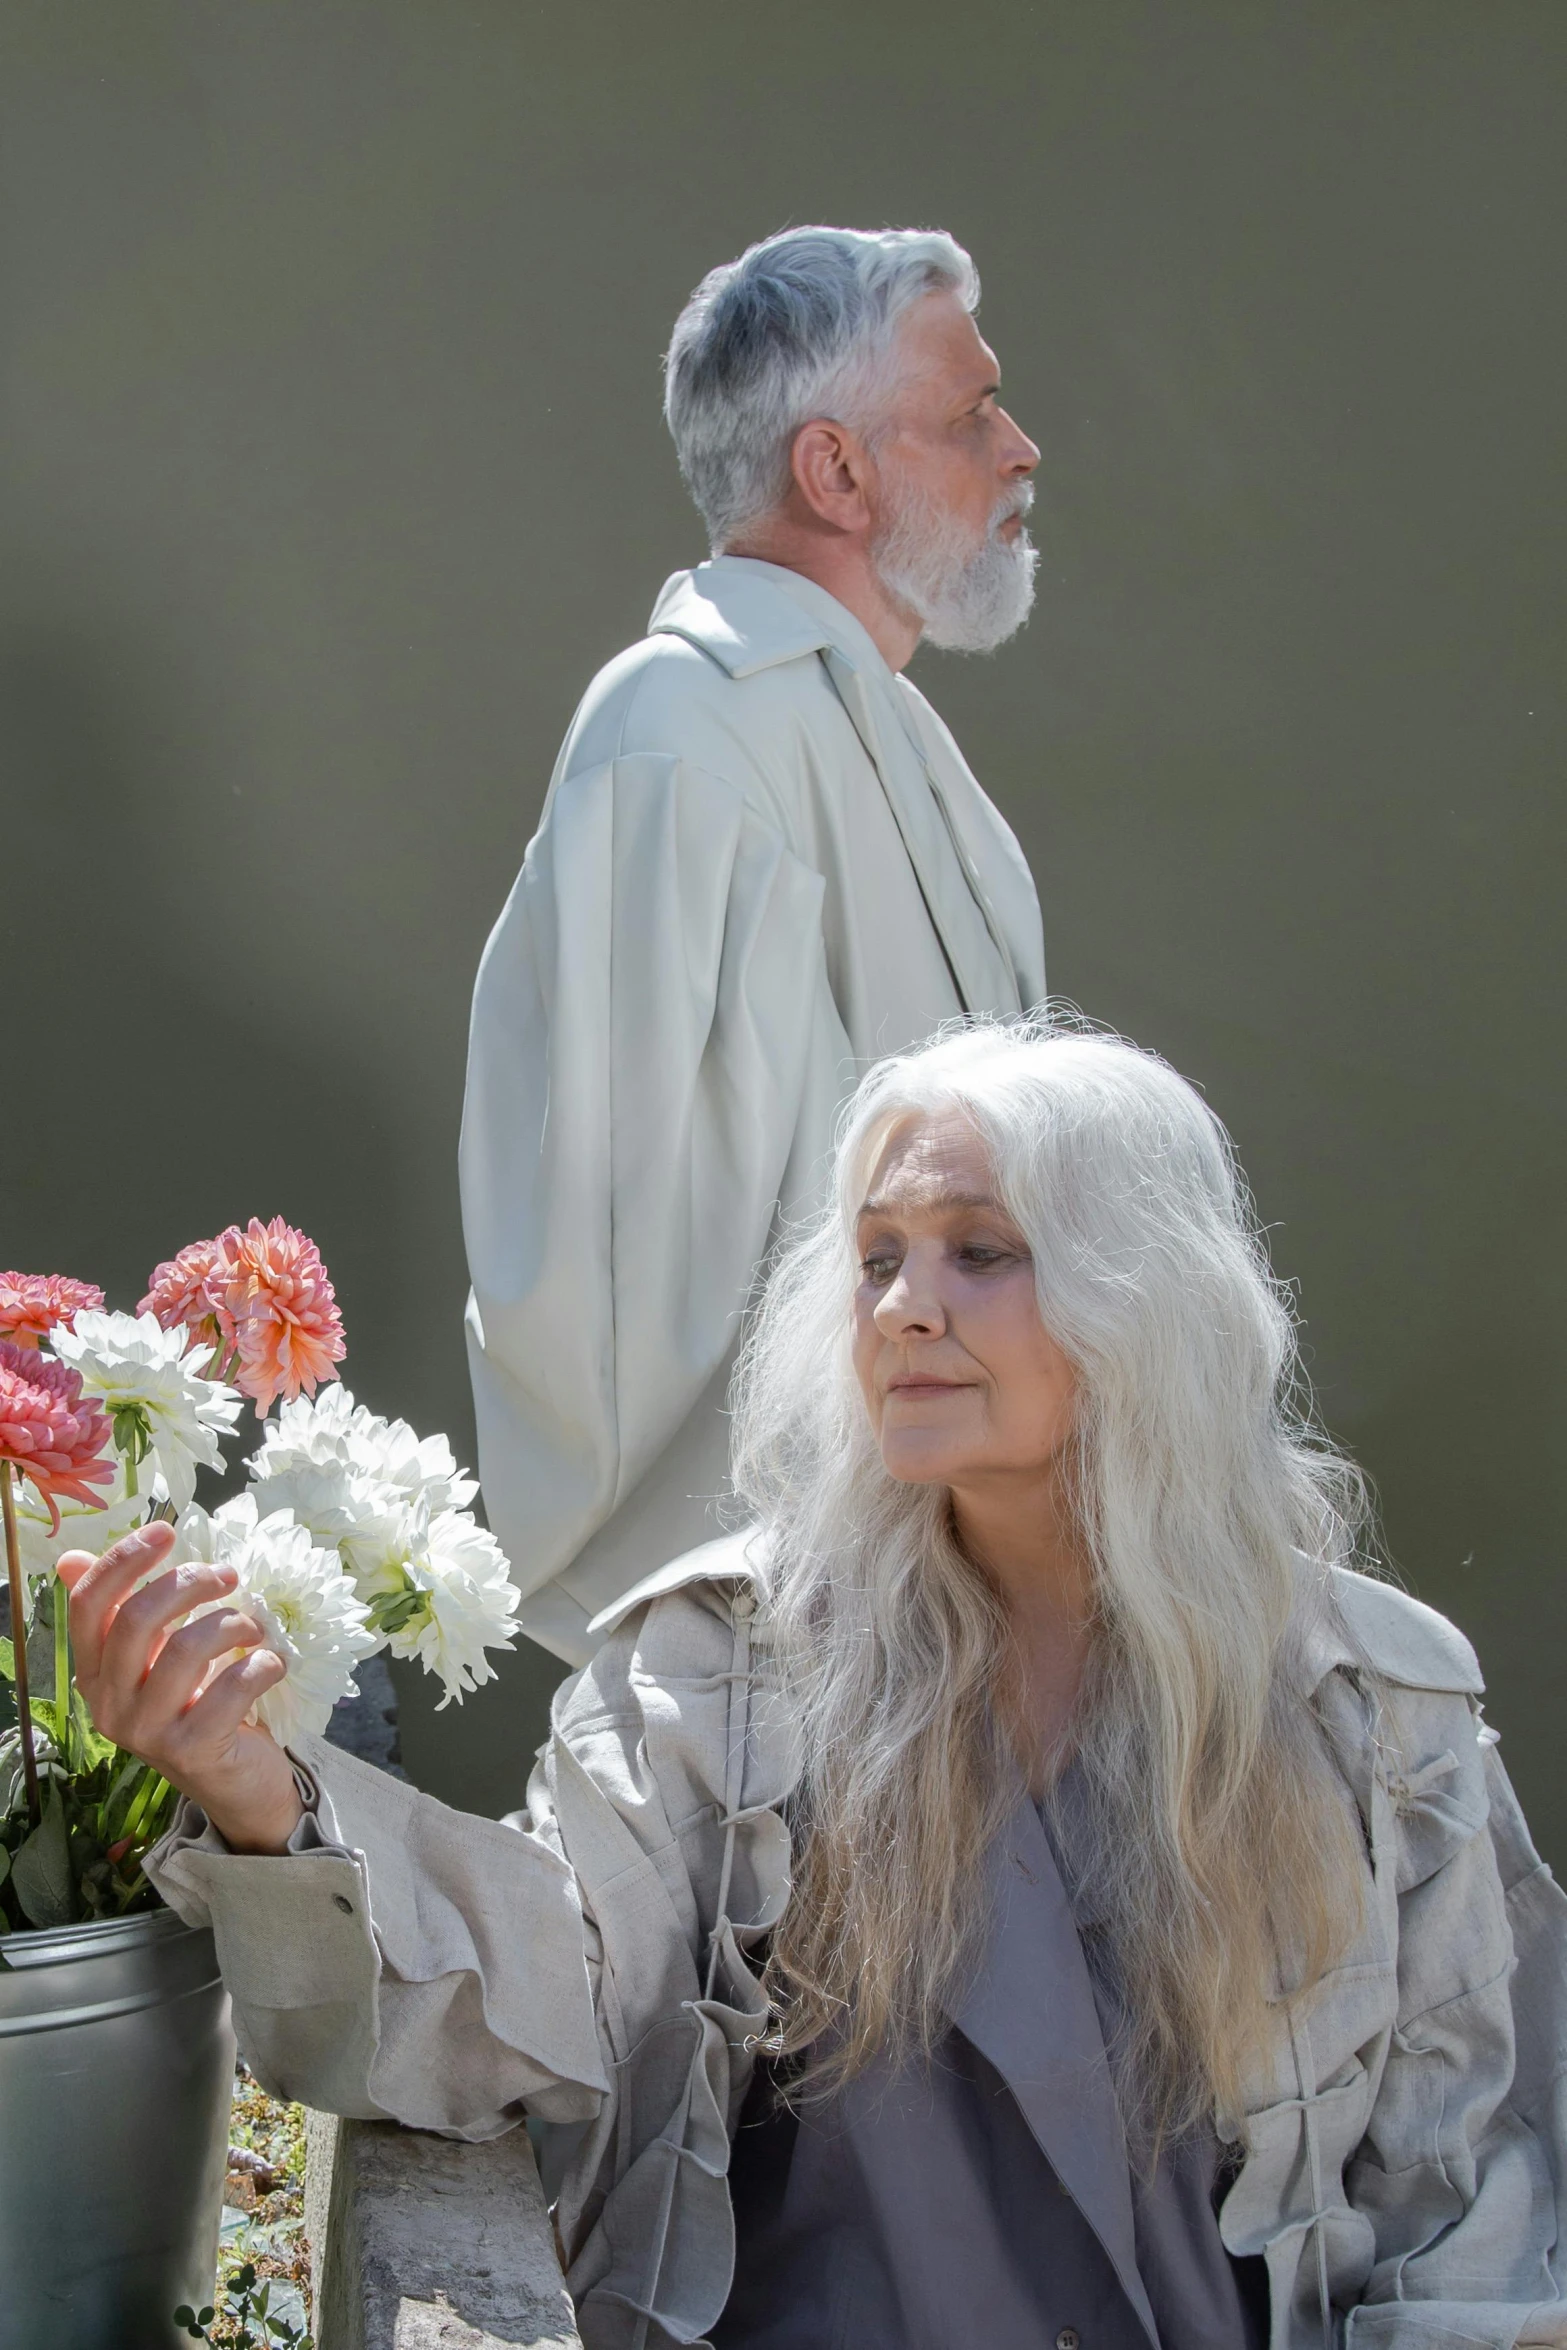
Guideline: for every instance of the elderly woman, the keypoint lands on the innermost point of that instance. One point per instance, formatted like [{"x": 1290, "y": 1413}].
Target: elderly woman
[{"x": 1030, "y": 1889}]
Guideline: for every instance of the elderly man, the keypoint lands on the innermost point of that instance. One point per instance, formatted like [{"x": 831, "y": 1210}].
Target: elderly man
[{"x": 762, "y": 862}]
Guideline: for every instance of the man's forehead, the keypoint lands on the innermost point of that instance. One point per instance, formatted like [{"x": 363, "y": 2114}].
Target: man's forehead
[{"x": 940, "y": 340}]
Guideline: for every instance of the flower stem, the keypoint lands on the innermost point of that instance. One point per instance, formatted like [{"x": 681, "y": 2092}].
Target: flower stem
[
  {"x": 62, "y": 1672},
  {"x": 24, "y": 1713}
]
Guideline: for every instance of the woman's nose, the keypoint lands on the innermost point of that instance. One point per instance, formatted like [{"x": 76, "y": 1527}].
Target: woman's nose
[{"x": 909, "y": 1306}]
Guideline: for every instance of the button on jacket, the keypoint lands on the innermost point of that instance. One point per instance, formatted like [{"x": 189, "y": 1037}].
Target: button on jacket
[
  {"x": 1402, "y": 2154},
  {"x": 761, "y": 865}
]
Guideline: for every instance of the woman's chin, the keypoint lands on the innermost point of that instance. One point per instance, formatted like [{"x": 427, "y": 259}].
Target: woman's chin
[{"x": 915, "y": 1462}]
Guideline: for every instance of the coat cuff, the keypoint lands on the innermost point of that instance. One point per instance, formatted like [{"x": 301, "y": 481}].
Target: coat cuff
[
  {"x": 399, "y": 1958},
  {"x": 293, "y": 1933}
]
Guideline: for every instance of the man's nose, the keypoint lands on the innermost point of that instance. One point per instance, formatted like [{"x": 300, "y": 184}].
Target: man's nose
[{"x": 1021, "y": 455}]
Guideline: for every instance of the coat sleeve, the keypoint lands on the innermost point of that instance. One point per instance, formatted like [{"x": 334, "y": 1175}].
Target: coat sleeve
[
  {"x": 647, "y": 1013},
  {"x": 402, "y": 1961},
  {"x": 1462, "y": 2170}
]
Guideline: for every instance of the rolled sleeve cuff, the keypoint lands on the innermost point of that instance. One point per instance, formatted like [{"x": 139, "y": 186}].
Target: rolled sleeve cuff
[
  {"x": 399, "y": 1958},
  {"x": 295, "y": 1945}
]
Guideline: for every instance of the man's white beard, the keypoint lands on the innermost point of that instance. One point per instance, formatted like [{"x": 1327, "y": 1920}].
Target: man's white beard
[{"x": 967, "y": 599}]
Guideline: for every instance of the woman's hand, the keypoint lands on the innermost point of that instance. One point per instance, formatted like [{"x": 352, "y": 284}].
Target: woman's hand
[{"x": 140, "y": 1666}]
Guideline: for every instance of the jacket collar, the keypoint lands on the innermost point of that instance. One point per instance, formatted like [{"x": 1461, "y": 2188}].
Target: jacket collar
[
  {"x": 1369, "y": 1625},
  {"x": 733, "y": 1559},
  {"x": 751, "y": 616},
  {"x": 1364, "y": 1625}
]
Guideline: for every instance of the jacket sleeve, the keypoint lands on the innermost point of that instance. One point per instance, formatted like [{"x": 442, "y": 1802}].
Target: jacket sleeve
[
  {"x": 646, "y": 1016},
  {"x": 401, "y": 1961},
  {"x": 1461, "y": 2173}
]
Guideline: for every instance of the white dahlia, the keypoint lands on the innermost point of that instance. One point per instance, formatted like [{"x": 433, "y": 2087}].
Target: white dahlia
[
  {"x": 329, "y": 1430},
  {"x": 438, "y": 1588},
  {"x": 308, "y": 1610},
  {"x": 166, "y": 1418},
  {"x": 329, "y": 1498}
]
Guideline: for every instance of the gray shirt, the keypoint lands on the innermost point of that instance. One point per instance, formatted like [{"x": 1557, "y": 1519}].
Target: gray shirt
[{"x": 925, "y": 2208}]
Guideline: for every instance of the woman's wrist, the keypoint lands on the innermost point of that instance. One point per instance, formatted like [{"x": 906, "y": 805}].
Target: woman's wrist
[{"x": 251, "y": 1826}]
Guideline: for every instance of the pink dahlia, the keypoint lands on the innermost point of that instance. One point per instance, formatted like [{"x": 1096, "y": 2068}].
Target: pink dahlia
[
  {"x": 189, "y": 1291},
  {"x": 46, "y": 1428},
  {"x": 33, "y": 1304},
  {"x": 288, "y": 1331}
]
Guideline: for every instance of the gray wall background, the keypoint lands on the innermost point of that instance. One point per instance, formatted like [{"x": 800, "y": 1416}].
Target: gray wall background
[{"x": 333, "y": 467}]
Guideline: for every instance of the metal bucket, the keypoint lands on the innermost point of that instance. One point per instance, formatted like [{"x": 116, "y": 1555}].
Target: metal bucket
[{"x": 116, "y": 2075}]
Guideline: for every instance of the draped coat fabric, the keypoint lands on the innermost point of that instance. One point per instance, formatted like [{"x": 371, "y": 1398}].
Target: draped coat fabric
[
  {"x": 761, "y": 865},
  {"x": 1404, "y": 2145}
]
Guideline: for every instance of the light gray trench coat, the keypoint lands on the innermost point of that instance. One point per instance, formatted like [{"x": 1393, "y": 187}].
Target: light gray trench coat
[
  {"x": 588, "y": 1962},
  {"x": 763, "y": 863}
]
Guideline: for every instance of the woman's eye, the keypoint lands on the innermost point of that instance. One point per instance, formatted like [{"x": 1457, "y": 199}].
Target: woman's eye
[
  {"x": 977, "y": 1253},
  {"x": 878, "y": 1269}
]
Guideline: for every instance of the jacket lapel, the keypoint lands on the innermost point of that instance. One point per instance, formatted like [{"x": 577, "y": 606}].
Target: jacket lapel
[
  {"x": 749, "y": 616},
  {"x": 948, "y": 884},
  {"x": 1030, "y": 2011}
]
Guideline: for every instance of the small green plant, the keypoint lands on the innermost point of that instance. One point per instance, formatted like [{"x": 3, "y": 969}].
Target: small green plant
[
  {"x": 100, "y": 1810},
  {"x": 245, "y": 2318}
]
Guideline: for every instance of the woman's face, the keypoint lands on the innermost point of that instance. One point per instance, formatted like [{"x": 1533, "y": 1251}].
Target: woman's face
[{"x": 963, "y": 1383}]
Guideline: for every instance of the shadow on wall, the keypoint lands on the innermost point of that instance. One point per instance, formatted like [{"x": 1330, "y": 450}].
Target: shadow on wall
[
  {"x": 190, "y": 1063},
  {"x": 200, "y": 1089}
]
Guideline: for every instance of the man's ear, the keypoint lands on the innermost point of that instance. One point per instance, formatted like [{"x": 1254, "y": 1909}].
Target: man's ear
[{"x": 833, "y": 473}]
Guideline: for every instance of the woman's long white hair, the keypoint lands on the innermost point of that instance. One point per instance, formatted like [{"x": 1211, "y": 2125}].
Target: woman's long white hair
[{"x": 1209, "y": 1838}]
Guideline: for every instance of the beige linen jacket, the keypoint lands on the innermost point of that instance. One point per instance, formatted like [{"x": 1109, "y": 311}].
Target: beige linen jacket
[
  {"x": 591, "y": 1962},
  {"x": 762, "y": 865}
]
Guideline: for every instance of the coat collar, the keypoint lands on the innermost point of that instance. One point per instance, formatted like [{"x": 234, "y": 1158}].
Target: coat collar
[
  {"x": 751, "y": 616},
  {"x": 734, "y": 1559},
  {"x": 1365, "y": 1624},
  {"x": 1370, "y": 1625}
]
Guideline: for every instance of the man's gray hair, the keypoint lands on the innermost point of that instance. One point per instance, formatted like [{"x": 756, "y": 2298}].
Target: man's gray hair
[{"x": 795, "y": 328}]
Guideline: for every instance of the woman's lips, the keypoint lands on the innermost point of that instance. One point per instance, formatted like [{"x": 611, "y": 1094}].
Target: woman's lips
[{"x": 926, "y": 1386}]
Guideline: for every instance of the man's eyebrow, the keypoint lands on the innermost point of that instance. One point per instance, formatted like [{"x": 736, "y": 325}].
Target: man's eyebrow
[{"x": 882, "y": 1206}]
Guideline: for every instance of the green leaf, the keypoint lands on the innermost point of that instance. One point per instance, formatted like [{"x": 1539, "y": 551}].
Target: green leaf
[
  {"x": 125, "y": 1778},
  {"x": 92, "y": 1747},
  {"x": 391, "y": 1610},
  {"x": 132, "y": 1432},
  {"x": 7, "y": 1661},
  {"x": 41, "y": 1871}
]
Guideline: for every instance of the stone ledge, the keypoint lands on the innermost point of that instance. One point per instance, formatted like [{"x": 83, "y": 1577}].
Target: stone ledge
[{"x": 424, "y": 2243}]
